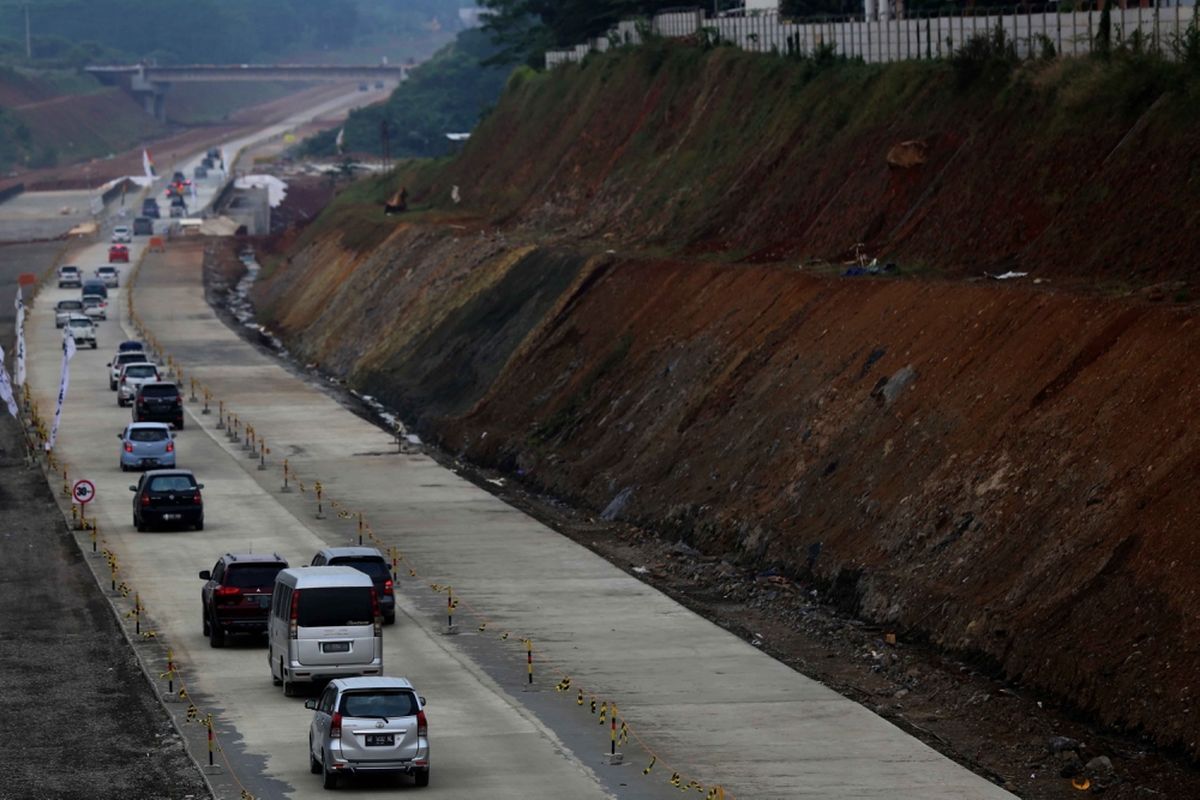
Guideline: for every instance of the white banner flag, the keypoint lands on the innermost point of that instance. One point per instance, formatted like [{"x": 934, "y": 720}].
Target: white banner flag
[
  {"x": 20, "y": 365},
  {"x": 6, "y": 387},
  {"x": 68, "y": 354}
]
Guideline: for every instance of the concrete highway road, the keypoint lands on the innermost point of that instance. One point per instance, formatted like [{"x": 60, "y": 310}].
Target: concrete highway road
[{"x": 698, "y": 700}]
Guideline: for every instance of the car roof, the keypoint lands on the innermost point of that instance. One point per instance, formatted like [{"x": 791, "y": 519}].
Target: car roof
[
  {"x": 325, "y": 577},
  {"x": 129, "y": 364},
  {"x": 158, "y": 383},
  {"x": 380, "y": 682},
  {"x": 342, "y": 552},
  {"x": 76, "y": 317},
  {"x": 70, "y": 300},
  {"x": 156, "y": 425},
  {"x": 66, "y": 267},
  {"x": 106, "y": 268},
  {"x": 159, "y": 473},
  {"x": 255, "y": 558},
  {"x": 93, "y": 298}
]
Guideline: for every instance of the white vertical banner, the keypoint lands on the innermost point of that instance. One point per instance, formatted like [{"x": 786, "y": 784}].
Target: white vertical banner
[
  {"x": 19, "y": 367},
  {"x": 68, "y": 354},
  {"x": 6, "y": 393}
]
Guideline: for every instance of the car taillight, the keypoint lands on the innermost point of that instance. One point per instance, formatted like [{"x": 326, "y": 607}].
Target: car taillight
[
  {"x": 335, "y": 726},
  {"x": 170, "y": 447},
  {"x": 422, "y": 724},
  {"x": 293, "y": 622},
  {"x": 387, "y": 587},
  {"x": 196, "y": 498},
  {"x": 129, "y": 447},
  {"x": 145, "y": 499},
  {"x": 377, "y": 614},
  {"x": 228, "y": 594}
]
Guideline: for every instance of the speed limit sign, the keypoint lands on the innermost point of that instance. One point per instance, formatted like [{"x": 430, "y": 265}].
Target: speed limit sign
[{"x": 83, "y": 491}]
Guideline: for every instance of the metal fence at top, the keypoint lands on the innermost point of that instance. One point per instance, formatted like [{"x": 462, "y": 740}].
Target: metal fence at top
[{"x": 1031, "y": 33}]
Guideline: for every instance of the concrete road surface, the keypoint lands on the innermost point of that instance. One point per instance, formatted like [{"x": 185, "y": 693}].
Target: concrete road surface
[{"x": 704, "y": 704}]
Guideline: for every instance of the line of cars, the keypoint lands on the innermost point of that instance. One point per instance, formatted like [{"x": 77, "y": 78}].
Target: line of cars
[{"x": 323, "y": 622}]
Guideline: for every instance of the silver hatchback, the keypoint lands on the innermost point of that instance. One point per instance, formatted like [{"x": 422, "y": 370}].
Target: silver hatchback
[{"x": 363, "y": 725}]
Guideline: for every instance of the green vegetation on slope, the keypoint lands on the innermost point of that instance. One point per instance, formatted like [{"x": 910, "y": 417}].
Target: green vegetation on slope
[
  {"x": 77, "y": 32},
  {"x": 444, "y": 95}
]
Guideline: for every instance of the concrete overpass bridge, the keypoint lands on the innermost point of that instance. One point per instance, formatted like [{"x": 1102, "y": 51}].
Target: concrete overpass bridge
[{"x": 151, "y": 83}]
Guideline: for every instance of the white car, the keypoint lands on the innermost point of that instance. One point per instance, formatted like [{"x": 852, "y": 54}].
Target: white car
[
  {"x": 95, "y": 307},
  {"x": 110, "y": 276},
  {"x": 82, "y": 330},
  {"x": 122, "y": 235},
  {"x": 119, "y": 360},
  {"x": 132, "y": 377},
  {"x": 64, "y": 310},
  {"x": 69, "y": 276}
]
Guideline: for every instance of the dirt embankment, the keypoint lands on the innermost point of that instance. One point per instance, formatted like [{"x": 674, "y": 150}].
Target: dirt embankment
[{"x": 1008, "y": 471}]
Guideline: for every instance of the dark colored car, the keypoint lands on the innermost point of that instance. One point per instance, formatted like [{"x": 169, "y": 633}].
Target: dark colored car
[
  {"x": 159, "y": 402},
  {"x": 370, "y": 561},
  {"x": 130, "y": 345},
  {"x": 149, "y": 209},
  {"x": 144, "y": 226},
  {"x": 167, "y": 497},
  {"x": 236, "y": 597},
  {"x": 94, "y": 287}
]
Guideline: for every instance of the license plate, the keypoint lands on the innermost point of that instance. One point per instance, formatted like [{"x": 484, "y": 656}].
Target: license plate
[
  {"x": 335, "y": 647},
  {"x": 172, "y": 516},
  {"x": 381, "y": 739},
  {"x": 264, "y": 601}
]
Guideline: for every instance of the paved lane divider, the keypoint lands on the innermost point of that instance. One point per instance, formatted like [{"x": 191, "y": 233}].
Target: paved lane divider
[{"x": 620, "y": 730}]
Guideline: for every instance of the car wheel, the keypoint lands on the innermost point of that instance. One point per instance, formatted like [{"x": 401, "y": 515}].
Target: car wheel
[
  {"x": 390, "y": 619},
  {"x": 94, "y": 345},
  {"x": 314, "y": 766},
  {"x": 140, "y": 524},
  {"x": 329, "y": 779},
  {"x": 200, "y": 524},
  {"x": 216, "y": 635},
  {"x": 179, "y": 424},
  {"x": 204, "y": 619},
  {"x": 421, "y": 777},
  {"x": 123, "y": 467},
  {"x": 112, "y": 386}
]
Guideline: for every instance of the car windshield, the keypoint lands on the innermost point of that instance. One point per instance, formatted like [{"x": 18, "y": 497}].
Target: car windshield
[
  {"x": 91, "y": 302},
  {"x": 172, "y": 483},
  {"x": 130, "y": 358},
  {"x": 80, "y": 323},
  {"x": 166, "y": 390},
  {"x": 68, "y": 305},
  {"x": 108, "y": 270},
  {"x": 68, "y": 270},
  {"x": 141, "y": 371},
  {"x": 324, "y": 608},
  {"x": 379, "y": 703},
  {"x": 248, "y": 576},
  {"x": 148, "y": 434},
  {"x": 375, "y": 567}
]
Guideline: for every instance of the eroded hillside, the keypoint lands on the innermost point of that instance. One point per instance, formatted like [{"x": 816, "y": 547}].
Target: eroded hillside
[{"x": 1008, "y": 470}]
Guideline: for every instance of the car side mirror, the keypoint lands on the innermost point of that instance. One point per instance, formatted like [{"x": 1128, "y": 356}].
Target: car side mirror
[
  {"x": 422, "y": 699},
  {"x": 199, "y": 485},
  {"x": 311, "y": 705},
  {"x": 205, "y": 575},
  {"x": 133, "y": 488},
  {"x": 109, "y": 364},
  {"x": 121, "y": 435}
]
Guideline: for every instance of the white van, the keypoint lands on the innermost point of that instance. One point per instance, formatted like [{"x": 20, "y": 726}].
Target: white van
[{"x": 325, "y": 623}]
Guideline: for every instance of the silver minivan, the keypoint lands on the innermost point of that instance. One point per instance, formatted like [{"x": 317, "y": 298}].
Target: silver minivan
[
  {"x": 325, "y": 623},
  {"x": 368, "y": 725}
]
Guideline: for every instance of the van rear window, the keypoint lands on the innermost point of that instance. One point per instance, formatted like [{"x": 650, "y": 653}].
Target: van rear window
[{"x": 335, "y": 606}]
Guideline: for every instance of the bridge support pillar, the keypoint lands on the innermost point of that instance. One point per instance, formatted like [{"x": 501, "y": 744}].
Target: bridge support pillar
[{"x": 153, "y": 95}]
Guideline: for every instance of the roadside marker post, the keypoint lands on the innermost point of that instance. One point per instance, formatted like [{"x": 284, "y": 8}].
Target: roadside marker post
[
  {"x": 221, "y": 415},
  {"x": 207, "y": 397},
  {"x": 320, "y": 506},
  {"x": 192, "y": 398},
  {"x": 262, "y": 454},
  {"x": 529, "y": 659},
  {"x": 360, "y": 528},
  {"x": 285, "y": 487}
]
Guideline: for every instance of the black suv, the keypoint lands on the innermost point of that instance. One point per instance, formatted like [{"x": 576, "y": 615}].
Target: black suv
[
  {"x": 370, "y": 561},
  {"x": 159, "y": 401},
  {"x": 236, "y": 597},
  {"x": 167, "y": 497}
]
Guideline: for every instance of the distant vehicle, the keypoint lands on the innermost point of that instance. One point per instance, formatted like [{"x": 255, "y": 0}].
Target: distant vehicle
[
  {"x": 144, "y": 226},
  {"x": 109, "y": 275},
  {"x": 214, "y": 153},
  {"x": 134, "y": 375},
  {"x": 368, "y": 725},
  {"x": 122, "y": 235},
  {"x": 177, "y": 212},
  {"x": 82, "y": 329},
  {"x": 94, "y": 286},
  {"x": 179, "y": 179},
  {"x": 122, "y": 358},
  {"x": 130, "y": 344},
  {"x": 147, "y": 445},
  {"x": 69, "y": 276},
  {"x": 118, "y": 252},
  {"x": 150, "y": 212},
  {"x": 64, "y": 309},
  {"x": 362, "y": 87},
  {"x": 167, "y": 497},
  {"x": 95, "y": 307},
  {"x": 378, "y": 84},
  {"x": 236, "y": 597},
  {"x": 369, "y": 561},
  {"x": 200, "y": 172},
  {"x": 208, "y": 163},
  {"x": 325, "y": 623},
  {"x": 158, "y": 402}
]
